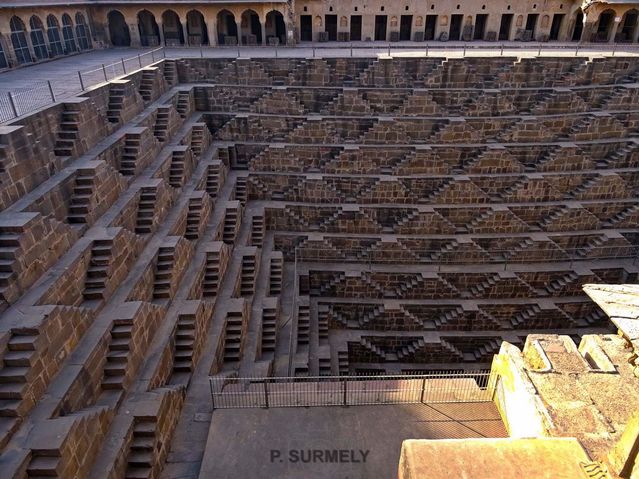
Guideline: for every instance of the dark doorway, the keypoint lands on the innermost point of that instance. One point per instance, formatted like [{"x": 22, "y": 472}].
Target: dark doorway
[
  {"x": 506, "y": 24},
  {"x": 118, "y": 29},
  {"x": 557, "y": 19},
  {"x": 275, "y": 27},
  {"x": 149, "y": 30},
  {"x": 579, "y": 27},
  {"x": 455, "y": 27},
  {"x": 480, "y": 26},
  {"x": 629, "y": 26},
  {"x": 380, "y": 27},
  {"x": 331, "y": 27},
  {"x": 196, "y": 28},
  {"x": 431, "y": 25},
  {"x": 605, "y": 23},
  {"x": 531, "y": 24},
  {"x": 356, "y": 28},
  {"x": 405, "y": 27},
  {"x": 306, "y": 28},
  {"x": 172, "y": 27}
]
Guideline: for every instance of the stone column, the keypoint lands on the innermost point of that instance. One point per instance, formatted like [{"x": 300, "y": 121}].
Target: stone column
[
  {"x": 185, "y": 33},
  {"x": 211, "y": 30},
  {"x": 134, "y": 33},
  {"x": 238, "y": 25},
  {"x": 613, "y": 32},
  {"x": 635, "y": 34},
  {"x": 263, "y": 26},
  {"x": 161, "y": 33}
]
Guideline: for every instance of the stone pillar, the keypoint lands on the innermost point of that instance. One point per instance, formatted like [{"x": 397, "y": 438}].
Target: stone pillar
[
  {"x": 134, "y": 33},
  {"x": 238, "y": 25},
  {"x": 586, "y": 32},
  {"x": 613, "y": 32},
  {"x": 161, "y": 33},
  {"x": 635, "y": 34},
  {"x": 211, "y": 30},
  {"x": 185, "y": 33},
  {"x": 263, "y": 26}
]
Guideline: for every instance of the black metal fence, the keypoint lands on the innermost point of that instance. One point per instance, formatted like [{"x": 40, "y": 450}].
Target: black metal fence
[
  {"x": 20, "y": 102},
  {"x": 436, "y": 387}
]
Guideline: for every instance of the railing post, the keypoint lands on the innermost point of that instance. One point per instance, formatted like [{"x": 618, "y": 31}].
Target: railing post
[
  {"x": 13, "y": 105},
  {"x": 51, "y": 91},
  {"x": 421, "y": 398},
  {"x": 389, "y": 49},
  {"x": 123, "y": 65},
  {"x": 464, "y": 55},
  {"x": 212, "y": 395},
  {"x": 502, "y": 50},
  {"x": 140, "y": 60},
  {"x": 152, "y": 56},
  {"x": 201, "y": 51},
  {"x": 345, "y": 388},
  {"x": 81, "y": 82},
  {"x": 105, "y": 73},
  {"x": 313, "y": 51},
  {"x": 539, "y": 52},
  {"x": 266, "y": 393}
]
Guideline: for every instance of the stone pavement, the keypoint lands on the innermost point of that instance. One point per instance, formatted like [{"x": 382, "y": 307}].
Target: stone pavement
[{"x": 240, "y": 441}]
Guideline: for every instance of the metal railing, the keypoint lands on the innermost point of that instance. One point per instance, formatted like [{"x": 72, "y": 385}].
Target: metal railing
[
  {"x": 435, "y": 387},
  {"x": 21, "y": 102},
  {"x": 426, "y": 48},
  {"x": 441, "y": 257}
]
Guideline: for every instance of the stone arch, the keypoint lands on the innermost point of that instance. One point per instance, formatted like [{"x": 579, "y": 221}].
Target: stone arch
[
  {"x": 343, "y": 21},
  {"x": 393, "y": 21},
  {"x": 545, "y": 21},
  {"x": 419, "y": 21},
  {"x": 148, "y": 28},
  {"x": 172, "y": 28},
  {"x": 275, "y": 26},
  {"x": 19, "y": 40},
  {"x": 444, "y": 21},
  {"x": 251, "y": 28},
  {"x": 226, "y": 28},
  {"x": 68, "y": 35},
  {"x": 318, "y": 21},
  {"x": 628, "y": 27},
  {"x": 37, "y": 37},
  {"x": 578, "y": 29},
  {"x": 82, "y": 31},
  {"x": 196, "y": 28},
  {"x": 604, "y": 25},
  {"x": 520, "y": 21},
  {"x": 54, "y": 36},
  {"x": 118, "y": 29}
]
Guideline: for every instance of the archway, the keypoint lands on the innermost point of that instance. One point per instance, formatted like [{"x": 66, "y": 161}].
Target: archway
[
  {"x": 3, "y": 58},
  {"x": 118, "y": 29},
  {"x": 53, "y": 34},
  {"x": 67, "y": 34},
  {"x": 628, "y": 26},
  {"x": 172, "y": 27},
  {"x": 251, "y": 28},
  {"x": 226, "y": 28},
  {"x": 196, "y": 28},
  {"x": 37, "y": 38},
  {"x": 275, "y": 26},
  {"x": 579, "y": 26},
  {"x": 149, "y": 30},
  {"x": 19, "y": 40},
  {"x": 604, "y": 25},
  {"x": 82, "y": 32}
]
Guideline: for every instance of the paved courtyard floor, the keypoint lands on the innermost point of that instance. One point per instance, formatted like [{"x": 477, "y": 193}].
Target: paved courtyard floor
[{"x": 299, "y": 442}]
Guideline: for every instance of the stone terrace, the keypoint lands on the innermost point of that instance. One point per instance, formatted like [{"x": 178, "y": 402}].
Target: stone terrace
[{"x": 311, "y": 216}]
